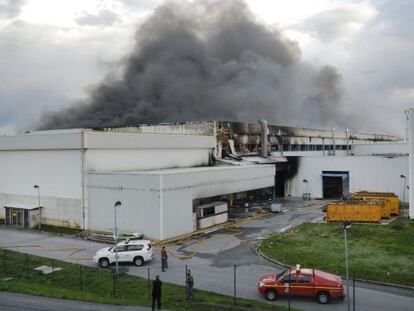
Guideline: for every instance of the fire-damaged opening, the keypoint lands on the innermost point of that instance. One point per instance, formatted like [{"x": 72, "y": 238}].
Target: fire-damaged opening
[
  {"x": 284, "y": 172},
  {"x": 335, "y": 184}
]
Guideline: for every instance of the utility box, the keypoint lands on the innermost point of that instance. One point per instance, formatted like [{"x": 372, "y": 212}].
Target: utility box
[{"x": 392, "y": 200}]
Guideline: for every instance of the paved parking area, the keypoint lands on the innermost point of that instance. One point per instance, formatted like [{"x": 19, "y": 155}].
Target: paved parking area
[{"x": 213, "y": 265}]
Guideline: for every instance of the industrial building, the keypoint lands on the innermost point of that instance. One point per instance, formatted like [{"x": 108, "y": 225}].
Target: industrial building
[{"x": 163, "y": 174}]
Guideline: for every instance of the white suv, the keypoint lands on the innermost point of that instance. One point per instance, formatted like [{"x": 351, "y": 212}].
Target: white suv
[{"x": 135, "y": 251}]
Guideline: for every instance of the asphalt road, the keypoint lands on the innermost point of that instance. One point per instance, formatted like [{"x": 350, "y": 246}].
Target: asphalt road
[
  {"x": 213, "y": 266},
  {"x": 18, "y": 302}
]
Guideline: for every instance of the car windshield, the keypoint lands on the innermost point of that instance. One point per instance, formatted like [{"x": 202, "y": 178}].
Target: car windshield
[{"x": 280, "y": 274}]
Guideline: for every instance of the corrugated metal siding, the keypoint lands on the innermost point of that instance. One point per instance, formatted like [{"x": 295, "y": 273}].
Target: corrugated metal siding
[
  {"x": 140, "y": 203},
  {"x": 148, "y": 209},
  {"x": 41, "y": 141},
  {"x": 107, "y": 140},
  {"x": 371, "y": 173},
  {"x": 127, "y": 160}
]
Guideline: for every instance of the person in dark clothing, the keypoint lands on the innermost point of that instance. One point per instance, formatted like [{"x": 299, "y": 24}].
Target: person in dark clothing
[
  {"x": 190, "y": 285},
  {"x": 164, "y": 259},
  {"x": 156, "y": 292}
]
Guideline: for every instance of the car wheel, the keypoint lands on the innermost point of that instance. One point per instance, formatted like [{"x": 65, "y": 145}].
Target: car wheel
[
  {"x": 323, "y": 298},
  {"x": 138, "y": 261},
  {"x": 271, "y": 294},
  {"x": 104, "y": 262}
]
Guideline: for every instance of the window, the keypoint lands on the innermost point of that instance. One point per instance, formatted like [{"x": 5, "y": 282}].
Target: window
[
  {"x": 304, "y": 278},
  {"x": 287, "y": 280},
  {"x": 120, "y": 248},
  {"x": 135, "y": 247}
]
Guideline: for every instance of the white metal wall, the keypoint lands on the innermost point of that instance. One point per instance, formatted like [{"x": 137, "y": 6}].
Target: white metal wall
[
  {"x": 144, "y": 159},
  {"x": 181, "y": 187},
  {"x": 57, "y": 172},
  {"x": 139, "y": 195},
  {"x": 411, "y": 165},
  {"x": 160, "y": 203},
  {"x": 380, "y": 148},
  {"x": 371, "y": 173}
]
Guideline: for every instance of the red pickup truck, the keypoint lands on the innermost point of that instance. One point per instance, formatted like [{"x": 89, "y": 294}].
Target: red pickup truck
[{"x": 302, "y": 282}]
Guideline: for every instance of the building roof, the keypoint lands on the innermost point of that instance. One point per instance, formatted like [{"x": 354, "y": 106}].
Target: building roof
[{"x": 22, "y": 206}]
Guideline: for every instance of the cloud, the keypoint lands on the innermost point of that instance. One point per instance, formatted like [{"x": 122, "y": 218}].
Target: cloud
[
  {"x": 340, "y": 22},
  {"x": 44, "y": 67},
  {"x": 103, "y": 18},
  {"x": 11, "y": 8}
]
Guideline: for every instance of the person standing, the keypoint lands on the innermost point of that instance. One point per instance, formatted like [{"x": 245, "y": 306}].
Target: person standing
[
  {"x": 190, "y": 284},
  {"x": 164, "y": 259},
  {"x": 156, "y": 292}
]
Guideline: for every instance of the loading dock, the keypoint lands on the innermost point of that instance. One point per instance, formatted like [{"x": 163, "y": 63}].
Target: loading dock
[{"x": 335, "y": 184}]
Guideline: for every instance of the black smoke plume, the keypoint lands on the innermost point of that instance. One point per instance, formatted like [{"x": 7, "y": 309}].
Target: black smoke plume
[{"x": 208, "y": 59}]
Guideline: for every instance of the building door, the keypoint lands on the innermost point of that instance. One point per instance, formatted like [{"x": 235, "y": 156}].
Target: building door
[
  {"x": 17, "y": 218},
  {"x": 335, "y": 184},
  {"x": 280, "y": 183}
]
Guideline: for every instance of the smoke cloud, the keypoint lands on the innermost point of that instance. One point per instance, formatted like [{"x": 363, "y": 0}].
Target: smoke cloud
[{"x": 208, "y": 59}]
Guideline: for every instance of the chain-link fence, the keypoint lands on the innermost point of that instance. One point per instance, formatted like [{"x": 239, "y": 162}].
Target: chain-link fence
[
  {"x": 66, "y": 279},
  {"x": 69, "y": 280}
]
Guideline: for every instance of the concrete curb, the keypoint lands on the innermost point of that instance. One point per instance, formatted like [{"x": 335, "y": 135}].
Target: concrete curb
[{"x": 260, "y": 253}]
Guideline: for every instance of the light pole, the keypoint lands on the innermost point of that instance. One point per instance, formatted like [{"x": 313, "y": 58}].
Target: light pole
[
  {"x": 305, "y": 181},
  {"x": 347, "y": 225},
  {"x": 117, "y": 204},
  {"x": 405, "y": 186},
  {"x": 38, "y": 205}
]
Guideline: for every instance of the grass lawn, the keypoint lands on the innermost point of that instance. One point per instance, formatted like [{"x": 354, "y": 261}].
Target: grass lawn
[
  {"x": 97, "y": 286},
  {"x": 376, "y": 252}
]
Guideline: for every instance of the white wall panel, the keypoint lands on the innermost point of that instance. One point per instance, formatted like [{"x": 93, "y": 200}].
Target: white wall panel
[
  {"x": 380, "y": 148},
  {"x": 107, "y": 140},
  {"x": 371, "y": 173},
  {"x": 57, "y": 172},
  {"x": 42, "y": 140},
  {"x": 143, "y": 159},
  {"x": 411, "y": 164},
  {"x": 170, "y": 209},
  {"x": 140, "y": 202}
]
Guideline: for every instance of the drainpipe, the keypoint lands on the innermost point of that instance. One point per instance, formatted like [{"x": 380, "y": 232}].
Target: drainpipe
[
  {"x": 347, "y": 142},
  {"x": 333, "y": 141},
  {"x": 263, "y": 138},
  {"x": 83, "y": 152},
  {"x": 279, "y": 133},
  {"x": 323, "y": 146}
]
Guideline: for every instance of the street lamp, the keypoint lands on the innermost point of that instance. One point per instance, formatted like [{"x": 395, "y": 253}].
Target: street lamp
[
  {"x": 38, "y": 205},
  {"x": 405, "y": 186},
  {"x": 117, "y": 204},
  {"x": 347, "y": 225},
  {"x": 305, "y": 181}
]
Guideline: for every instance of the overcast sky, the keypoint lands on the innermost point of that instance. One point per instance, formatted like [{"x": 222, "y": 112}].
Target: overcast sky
[{"x": 52, "y": 52}]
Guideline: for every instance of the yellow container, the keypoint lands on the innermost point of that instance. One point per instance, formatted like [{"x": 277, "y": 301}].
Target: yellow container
[
  {"x": 393, "y": 202},
  {"x": 357, "y": 211}
]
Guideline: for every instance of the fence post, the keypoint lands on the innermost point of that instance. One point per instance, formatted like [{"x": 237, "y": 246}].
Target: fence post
[
  {"x": 289, "y": 291},
  {"x": 53, "y": 272},
  {"x": 27, "y": 265},
  {"x": 234, "y": 284},
  {"x": 81, "y": 277},
  {"x": 149, "y": 284},
  {"x": 113, "y": 283},
  {"x": 353, "y": 290},
  {"x": 186, "y": 289}
]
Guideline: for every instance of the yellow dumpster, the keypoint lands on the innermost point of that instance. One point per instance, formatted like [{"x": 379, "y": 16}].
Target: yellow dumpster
[
  {"x": 355, "y": 210},
  {"x": 393, "y": 202}
]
